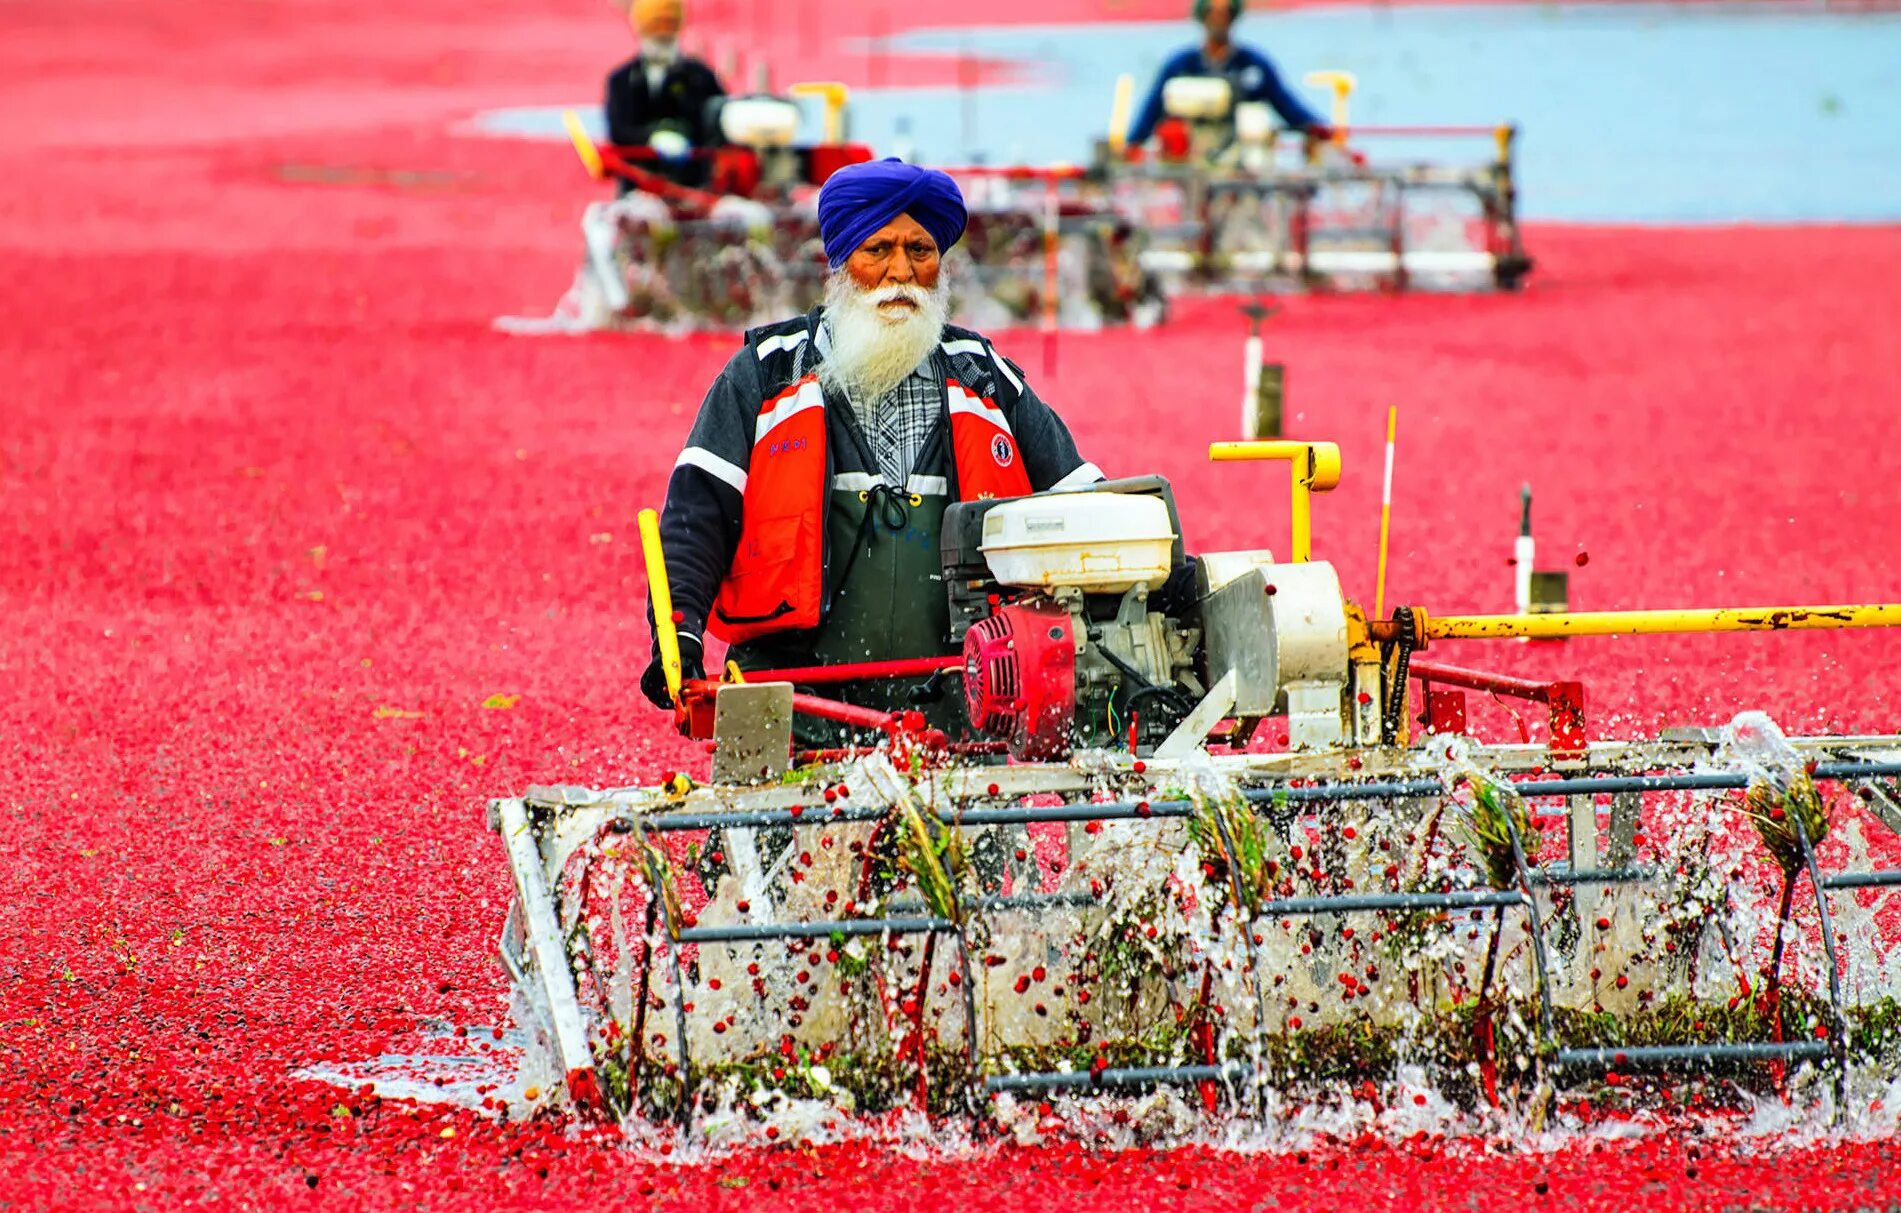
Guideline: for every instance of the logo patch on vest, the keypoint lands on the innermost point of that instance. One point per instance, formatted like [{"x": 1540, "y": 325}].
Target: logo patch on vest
[{"x": 1002, "y": 451}]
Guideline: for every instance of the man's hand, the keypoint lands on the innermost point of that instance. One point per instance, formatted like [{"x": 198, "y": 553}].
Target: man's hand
[{"x": 653, "y": 683}]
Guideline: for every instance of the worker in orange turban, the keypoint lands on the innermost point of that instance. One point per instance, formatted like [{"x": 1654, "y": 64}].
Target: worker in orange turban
[{"x": 661, "y": 99}]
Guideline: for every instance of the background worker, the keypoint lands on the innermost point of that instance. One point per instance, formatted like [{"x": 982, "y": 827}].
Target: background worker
[
  {"x": 663, "y": 99},
  {"x": 1249, "y": 73}
]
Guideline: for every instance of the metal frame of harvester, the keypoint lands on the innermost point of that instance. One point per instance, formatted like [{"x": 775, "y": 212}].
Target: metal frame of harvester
[
  {"x": 1239, "y": 214},
  {"x": 1334, "y": 220},
  {"x": 1359, "y": 756}
]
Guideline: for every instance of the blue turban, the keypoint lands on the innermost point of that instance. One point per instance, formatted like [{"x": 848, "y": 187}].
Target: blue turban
[{"x": 859, "y": 199}]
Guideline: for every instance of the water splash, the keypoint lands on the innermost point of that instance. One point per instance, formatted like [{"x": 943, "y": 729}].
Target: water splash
[{"x": 1184, "y": 939}]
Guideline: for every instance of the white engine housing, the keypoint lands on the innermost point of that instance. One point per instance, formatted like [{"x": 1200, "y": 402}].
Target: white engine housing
[
  {"x": 1280, "y": 630},
  {"x": 759, "y": 122},
  {"x": 1099, "y": 543},
  {"x": 1253, "y": 122},
  {"x": 1198, "y": 98}
]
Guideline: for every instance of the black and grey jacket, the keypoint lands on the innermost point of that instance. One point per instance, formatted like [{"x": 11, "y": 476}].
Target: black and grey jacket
[{"x": 700, "y": 524}]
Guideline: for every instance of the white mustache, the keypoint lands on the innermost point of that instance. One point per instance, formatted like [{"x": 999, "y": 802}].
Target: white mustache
[{"x": 906, "y": 292}]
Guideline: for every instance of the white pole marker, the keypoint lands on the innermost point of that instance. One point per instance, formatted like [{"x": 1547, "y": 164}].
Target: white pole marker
[{"x": 1523, "y": 553}]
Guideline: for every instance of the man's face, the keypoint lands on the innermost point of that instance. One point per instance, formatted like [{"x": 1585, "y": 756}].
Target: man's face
[
  {"x": 1219, "y": 21},
  {"x": 901, "y": 253},
  {"x": 886, "y": 311}
]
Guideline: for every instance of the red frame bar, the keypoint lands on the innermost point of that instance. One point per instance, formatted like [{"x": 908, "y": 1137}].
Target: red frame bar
[
  {"x": 616, "y": 161},
  {"x": 1020, "y": 172},
  {"x": 1445, "y": 711},
  {"x": 1479, "y": 680},
  {"x": 694, "y": 714},
  {"x": 855, "y": 671},
  {"x": 1420, "y": 132},
  {"x": 1563, "y": 700},
  {"x": 847, "y": 713}
]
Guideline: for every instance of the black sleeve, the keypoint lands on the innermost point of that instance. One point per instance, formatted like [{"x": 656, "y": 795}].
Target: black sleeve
[
  {"x": 1151, "y": 113},
  {"x": 619, "y": 107},
  {"x": 608, "y": 107},
  {"x": 1288, "y": 105},
  {"x": 707, "y": 90},
  {"x": 699, "y": 525},
  {"x": 1049, "y": 453}
]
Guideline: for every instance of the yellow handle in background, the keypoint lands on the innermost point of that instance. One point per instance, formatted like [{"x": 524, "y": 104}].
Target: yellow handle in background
[
  {"x": 584, "y": 145},
  {"x": 834, "y": 95},
  {"x": 664, "y": 630},
  {"x": 1315, "y": 467},
  {"x": 1505, "y": 135},
  {"x": 1342, "y": 85},
  {"x": 1121, "y": 112}
]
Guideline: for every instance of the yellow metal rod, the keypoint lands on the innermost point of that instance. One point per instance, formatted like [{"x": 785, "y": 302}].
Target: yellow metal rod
[
  {"x": 1121, "y": 107},
  {"x": 584, "y": 145},
  {"x": 663, "y": 627},
  {"x": 1301, "y": 543},
  {"x": 1386, "y": 510},
  {"x": 834, "y": 95},
  {"x": 1342, "y": 85},
  {"x": 1315, "y": 467},
  {"x": 1643, "y": 623},
  {"x": 1286, "y": 449}
]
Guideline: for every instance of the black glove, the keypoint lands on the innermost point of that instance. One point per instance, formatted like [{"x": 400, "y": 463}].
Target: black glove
[{"x": 653, "y": 683}]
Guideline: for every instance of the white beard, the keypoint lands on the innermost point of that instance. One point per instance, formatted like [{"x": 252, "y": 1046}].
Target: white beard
[{"x": 874, "y": 348}]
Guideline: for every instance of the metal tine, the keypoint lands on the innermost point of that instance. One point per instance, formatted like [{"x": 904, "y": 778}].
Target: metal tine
[
  {"x": 1838, "y": 1029},
  {"x": 1281, "y": 797}
]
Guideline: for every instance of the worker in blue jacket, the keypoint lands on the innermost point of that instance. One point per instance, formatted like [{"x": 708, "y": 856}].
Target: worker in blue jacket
[{"x": 1248, "y": 72}]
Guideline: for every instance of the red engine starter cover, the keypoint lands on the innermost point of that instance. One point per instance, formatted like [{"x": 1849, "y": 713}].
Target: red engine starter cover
[{"x": 1020, "y": 679}]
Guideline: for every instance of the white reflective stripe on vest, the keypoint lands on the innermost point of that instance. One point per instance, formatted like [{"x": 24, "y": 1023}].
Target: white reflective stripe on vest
[
  {"x": 981, "y": 349},
  {"x": 785, "y": 341},
  {"x": 809, "y": 396},
  {"x": 962, "y": 400},
  {"x": 861, "y": 482},
  {"x": 720, "y": 469}
]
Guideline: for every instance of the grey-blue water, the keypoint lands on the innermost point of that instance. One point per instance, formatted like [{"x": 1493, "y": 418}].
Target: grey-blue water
[{"x": 1629, "y": 113}]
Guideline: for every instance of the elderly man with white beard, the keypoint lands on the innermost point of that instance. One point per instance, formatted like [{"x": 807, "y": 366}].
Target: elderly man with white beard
[{"x": 802, "y": 519}]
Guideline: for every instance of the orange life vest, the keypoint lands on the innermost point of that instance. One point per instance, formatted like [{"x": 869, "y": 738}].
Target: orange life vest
[{"x": 776, "y": 581}]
